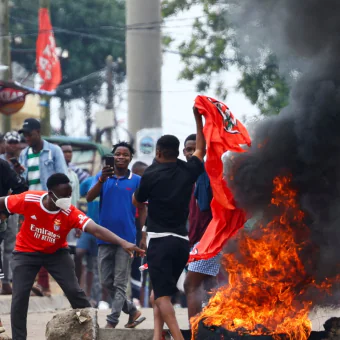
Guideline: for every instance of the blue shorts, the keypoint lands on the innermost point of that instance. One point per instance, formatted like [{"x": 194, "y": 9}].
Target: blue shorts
[
  {"x": 208, "y": 267},
  {"x": 88, "y": 242}
]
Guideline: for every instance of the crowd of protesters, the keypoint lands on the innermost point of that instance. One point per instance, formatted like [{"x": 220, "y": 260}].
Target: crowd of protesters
[{"x": 164, "y": 208}]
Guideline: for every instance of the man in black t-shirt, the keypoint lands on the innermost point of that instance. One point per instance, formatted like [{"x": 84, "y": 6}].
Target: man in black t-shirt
[{"x": 167, "y": 186}]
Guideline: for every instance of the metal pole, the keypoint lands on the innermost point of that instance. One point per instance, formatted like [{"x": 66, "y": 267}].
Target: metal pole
[
  {"x": 5, "y": 54},
  {"x": 144, "y": 63},
  {"x": 109, "y": 80},
  {"x": 110, "y": 92}
]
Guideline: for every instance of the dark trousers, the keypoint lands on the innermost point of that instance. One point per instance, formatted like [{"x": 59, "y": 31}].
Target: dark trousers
[{"x": 25, "y": 267}]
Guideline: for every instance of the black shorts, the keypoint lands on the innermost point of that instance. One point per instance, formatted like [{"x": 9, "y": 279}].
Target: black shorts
[{"x": 167, "y": 257}]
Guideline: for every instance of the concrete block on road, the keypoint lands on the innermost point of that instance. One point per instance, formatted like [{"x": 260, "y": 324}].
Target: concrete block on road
[{"x": 73, "y": 325}]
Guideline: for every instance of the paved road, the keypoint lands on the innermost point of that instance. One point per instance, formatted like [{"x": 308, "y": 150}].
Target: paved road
[{"x": 37, "y": 320}]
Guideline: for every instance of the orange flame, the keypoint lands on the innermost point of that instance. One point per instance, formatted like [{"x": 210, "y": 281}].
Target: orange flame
[{"x": 266, "y": 277}]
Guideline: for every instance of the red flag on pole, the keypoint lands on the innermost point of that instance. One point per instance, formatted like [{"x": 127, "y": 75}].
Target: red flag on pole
[
  {"x": 48, "y": 64},
  {"x": 223, "y": 132}
]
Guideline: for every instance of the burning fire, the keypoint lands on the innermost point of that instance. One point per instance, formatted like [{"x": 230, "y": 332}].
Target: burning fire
[{"x": 266, "y": 276}]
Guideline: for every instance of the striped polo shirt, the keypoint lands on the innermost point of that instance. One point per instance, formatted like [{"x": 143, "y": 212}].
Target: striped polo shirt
[{"x": 33, "y": 174}]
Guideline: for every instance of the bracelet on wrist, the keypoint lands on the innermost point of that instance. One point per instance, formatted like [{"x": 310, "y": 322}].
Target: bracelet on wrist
[{"x": 144, "y": 229}]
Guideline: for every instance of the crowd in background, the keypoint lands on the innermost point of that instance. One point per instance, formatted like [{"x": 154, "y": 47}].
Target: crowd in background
[
  {"x": 110, "y": 279},
  {"x": 82, "y": 245}
]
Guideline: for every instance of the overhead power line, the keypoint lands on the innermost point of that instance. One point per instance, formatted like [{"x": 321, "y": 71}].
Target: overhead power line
[
  {"x": 58, "y": 30},
  {"x": 141, "y": 25},
  {"x": 81, "y": 80},
  {"x": 137, "y": 26}
]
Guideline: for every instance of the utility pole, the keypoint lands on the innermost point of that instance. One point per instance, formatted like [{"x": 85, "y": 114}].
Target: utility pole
[
  {"x": 109, "y": 80},
  {"x": 110, "y": 93},
  {"x": 5, "y": 54},
  {"x": 144, "y": 63},
  {"x": 62, "y": 117},
  {"x": 45, "y": 115}
]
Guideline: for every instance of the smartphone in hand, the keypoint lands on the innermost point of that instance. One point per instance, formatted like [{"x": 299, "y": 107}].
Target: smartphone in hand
[{"x": 109, "y": 161}]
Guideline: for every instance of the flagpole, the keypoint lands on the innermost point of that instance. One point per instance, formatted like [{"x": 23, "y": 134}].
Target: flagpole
[
  {"x": 5, "y": 55},
  {"x": 45, "y": 114}
]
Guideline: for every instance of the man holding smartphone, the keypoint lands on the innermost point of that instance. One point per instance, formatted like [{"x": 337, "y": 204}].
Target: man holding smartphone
[{"x": 115, "y": 185}]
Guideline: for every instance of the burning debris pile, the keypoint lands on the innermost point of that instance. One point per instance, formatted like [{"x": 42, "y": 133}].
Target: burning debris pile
[
  {"x": 267, "y": 276},
  {"x": 288, "y": 263},
  {"x": 303, "y": 140}
]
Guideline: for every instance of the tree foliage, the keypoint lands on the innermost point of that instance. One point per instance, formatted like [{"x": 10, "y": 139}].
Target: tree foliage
[
  {"x": 89, "y": 30},
  {"x": 213, "y": 48}
]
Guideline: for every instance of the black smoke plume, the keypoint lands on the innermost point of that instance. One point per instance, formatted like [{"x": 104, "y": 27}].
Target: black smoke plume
[{"x": 304, "y": 139}]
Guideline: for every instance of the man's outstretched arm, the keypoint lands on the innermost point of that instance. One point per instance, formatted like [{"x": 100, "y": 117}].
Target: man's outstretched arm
[{"x": 108, "y": 236}]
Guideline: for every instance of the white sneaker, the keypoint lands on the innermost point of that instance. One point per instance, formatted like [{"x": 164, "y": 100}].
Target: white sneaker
[{"x": 103, "y": 305}]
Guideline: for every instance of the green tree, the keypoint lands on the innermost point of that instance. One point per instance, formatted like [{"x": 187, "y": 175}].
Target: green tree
[
  {"x": 213, "y": 48},
  {"x": 87, "y": 31}
]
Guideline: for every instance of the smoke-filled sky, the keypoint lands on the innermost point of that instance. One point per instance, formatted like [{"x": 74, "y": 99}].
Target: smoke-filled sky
[{"x": 304, "y": 140}]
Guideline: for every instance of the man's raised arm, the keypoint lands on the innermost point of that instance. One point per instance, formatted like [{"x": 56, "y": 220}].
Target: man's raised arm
[
  {"x": 200, "y": 140},
  {"x": 94, "y": 192}
]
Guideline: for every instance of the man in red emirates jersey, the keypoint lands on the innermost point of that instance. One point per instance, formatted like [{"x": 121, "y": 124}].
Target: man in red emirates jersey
[{"x": 41, "y": 242}]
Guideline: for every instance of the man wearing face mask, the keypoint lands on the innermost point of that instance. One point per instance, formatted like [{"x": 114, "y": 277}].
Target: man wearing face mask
[
  {"x": 49, "y": 217},
  {"x": 40, "y": 160}
]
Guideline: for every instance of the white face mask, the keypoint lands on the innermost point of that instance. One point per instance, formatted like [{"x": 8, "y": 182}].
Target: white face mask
[{"x": 62, "y": 203}]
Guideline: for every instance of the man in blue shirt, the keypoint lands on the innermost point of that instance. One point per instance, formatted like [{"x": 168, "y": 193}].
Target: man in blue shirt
[{"x": 115, "y": 185}]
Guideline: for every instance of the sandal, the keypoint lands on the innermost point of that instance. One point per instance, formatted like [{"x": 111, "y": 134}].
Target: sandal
[
  {"x": 135, "y": 320},
  {"x": 37, "y": 290}
]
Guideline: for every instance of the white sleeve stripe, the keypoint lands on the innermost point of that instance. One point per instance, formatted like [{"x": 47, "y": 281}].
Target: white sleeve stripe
[
  {"x": 85, "y": 224},
  {"x": 6, "y": 204}
]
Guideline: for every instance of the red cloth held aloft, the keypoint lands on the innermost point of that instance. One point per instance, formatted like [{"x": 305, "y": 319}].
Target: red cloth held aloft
[{"x": 223, "y": 132}]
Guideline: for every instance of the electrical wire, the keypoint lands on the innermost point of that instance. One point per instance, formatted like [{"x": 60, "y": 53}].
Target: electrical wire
[
  {"x": 155, "y": 25},
  {"x": 80, "y": 80},
  {"x": 99, "y": 37},
  {"x": 144, "y": 25}
]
